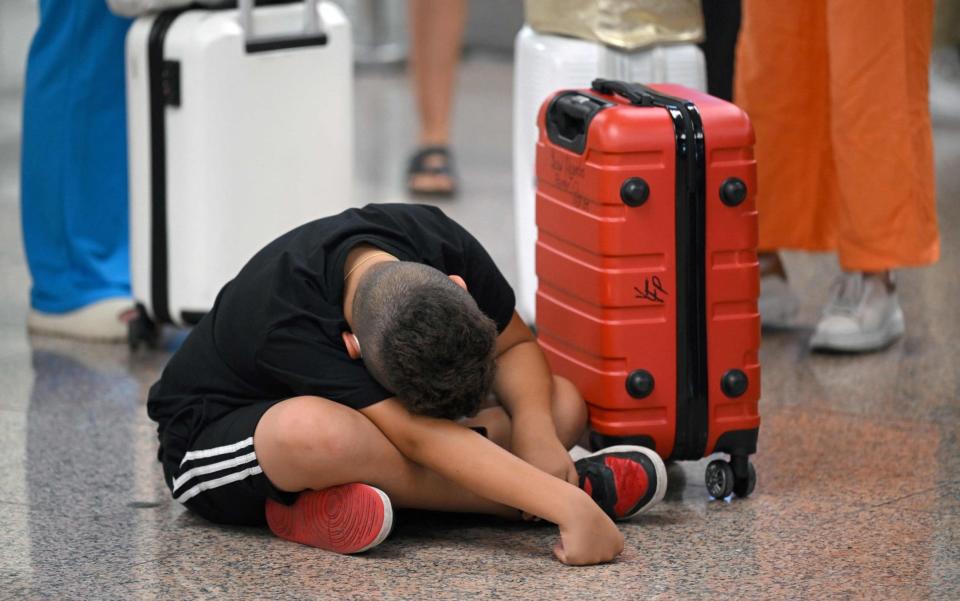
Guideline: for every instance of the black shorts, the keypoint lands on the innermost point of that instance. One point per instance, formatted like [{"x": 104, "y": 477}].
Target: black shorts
[{"x": 219, "y": 476}]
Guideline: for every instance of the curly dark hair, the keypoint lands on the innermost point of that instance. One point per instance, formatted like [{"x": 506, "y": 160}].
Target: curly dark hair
[{"x": 425, "y": 339}]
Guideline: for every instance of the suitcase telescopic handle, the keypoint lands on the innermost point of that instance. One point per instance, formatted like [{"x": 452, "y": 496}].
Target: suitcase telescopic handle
[
  {"x": 635, "y": 93},
  {"x": 312, "y": 34}
]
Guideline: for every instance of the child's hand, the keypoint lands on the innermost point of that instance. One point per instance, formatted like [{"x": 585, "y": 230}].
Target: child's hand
[
  {"x": 589, "y": 537},
  {"x": 545, "y": 454}
]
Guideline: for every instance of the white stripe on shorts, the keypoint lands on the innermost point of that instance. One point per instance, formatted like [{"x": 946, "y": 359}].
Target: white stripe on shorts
[
  {"x": 210, "y": 468},
  {"x": 218, "y": 482},
  {"x": 230, "y": 448}
]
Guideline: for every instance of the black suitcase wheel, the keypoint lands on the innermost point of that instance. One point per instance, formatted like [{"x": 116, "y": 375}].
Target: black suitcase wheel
[
  {"x": 742, "y": 487},
  {"x": 719, "y": 479},
  {"x": 142, "y": 330}
]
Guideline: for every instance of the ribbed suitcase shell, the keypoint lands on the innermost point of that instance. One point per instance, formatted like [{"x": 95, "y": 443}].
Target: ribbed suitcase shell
[
  {"x": 259, "y": 143},
  {"x": 545, "y": 63},
  {"x": 599, "y": 263}
]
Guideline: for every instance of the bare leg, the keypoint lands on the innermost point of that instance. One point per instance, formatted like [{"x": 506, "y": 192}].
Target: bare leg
[
  {"x": 313, "y": 443},
  {"x": 436, "y": 30}
]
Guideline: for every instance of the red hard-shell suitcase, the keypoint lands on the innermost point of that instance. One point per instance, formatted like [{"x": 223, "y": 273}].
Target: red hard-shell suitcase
[{"x": 648, "y": 273}]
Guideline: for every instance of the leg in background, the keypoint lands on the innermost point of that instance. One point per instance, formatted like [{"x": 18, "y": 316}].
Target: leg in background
[
  {"x": 782, "y": 83},
  {"x": 887, "y": 215},
  {"x": 721, "y": 23},
  {"x": 887, "y": 211},
  {"x": 74, "y": 159},
  {"x": 436, "y": 30}
]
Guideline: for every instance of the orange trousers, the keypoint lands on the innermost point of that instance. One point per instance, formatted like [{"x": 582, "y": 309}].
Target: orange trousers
[{"x": 837, "y": 91}]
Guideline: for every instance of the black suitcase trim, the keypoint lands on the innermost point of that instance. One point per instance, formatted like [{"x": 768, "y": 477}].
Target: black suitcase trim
[
  {"x": 692, "y": 384},
  {"x": 285, "y": 43},
  {"x": 737, "y": 442},
  {"x": 164, "y": 90}
]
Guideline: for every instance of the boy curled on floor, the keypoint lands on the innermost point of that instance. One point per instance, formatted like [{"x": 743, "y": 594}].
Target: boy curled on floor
[{"x": 343, "y": 373}]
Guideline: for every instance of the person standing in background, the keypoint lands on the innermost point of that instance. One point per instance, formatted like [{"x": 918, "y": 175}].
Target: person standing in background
[
  {"x": 74, "y": 173},
  {"x": 721, "y": 24},
  {"x": 436, "y": 32},
  {"x": 838, "y": 96}
]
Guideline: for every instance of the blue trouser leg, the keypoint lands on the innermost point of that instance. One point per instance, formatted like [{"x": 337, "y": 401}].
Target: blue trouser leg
[{"x": 74, "y": 157}]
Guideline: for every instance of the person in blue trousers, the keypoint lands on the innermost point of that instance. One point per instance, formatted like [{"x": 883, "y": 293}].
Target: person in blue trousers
[{"x": 74, "y": 173}]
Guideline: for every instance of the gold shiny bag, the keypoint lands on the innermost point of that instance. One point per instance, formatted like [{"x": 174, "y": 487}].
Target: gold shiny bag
[{"x": 627, "y": 24}]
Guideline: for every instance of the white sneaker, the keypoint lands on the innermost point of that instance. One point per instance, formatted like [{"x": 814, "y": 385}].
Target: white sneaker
[
  {"x": 863, "y": 314},
  {"x": 778, "y": 303},
  {"x": 102, "y": 321}
]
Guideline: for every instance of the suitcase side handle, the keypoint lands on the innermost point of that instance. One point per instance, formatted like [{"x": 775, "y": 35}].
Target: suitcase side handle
[
  {"x": 312, "y": 34},
  {"x": 568, "y": 119},
  {"x": 635, "y": 93}
]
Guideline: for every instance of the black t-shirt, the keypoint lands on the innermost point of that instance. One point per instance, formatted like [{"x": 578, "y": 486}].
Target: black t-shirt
[{"x": 275, "y": 330}]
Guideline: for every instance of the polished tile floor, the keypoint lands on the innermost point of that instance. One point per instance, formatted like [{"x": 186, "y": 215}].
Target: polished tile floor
[{"x": 859, "y": 461}]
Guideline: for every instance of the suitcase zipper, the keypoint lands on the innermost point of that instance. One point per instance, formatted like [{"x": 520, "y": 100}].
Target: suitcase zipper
[{"x": 692, "y": 388}]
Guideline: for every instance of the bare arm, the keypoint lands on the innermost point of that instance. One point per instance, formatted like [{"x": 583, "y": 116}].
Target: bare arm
[
  {"x": 472, "y": 461},
  {"x": 523, "y": 380},
  {"x": 524, "y": 386},
  {"x": 467, "y": 458}
]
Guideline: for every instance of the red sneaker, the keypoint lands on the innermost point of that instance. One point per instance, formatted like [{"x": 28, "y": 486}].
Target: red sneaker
[
  {"x": 350, "y": 518},
  {"x": 624, "y": 480}
]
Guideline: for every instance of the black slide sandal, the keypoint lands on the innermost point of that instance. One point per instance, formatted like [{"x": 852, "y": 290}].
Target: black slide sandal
[{"x": 420, "y": 164}]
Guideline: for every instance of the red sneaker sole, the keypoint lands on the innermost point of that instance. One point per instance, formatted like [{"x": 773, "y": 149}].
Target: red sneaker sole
[{"x": 350, "y": 518}]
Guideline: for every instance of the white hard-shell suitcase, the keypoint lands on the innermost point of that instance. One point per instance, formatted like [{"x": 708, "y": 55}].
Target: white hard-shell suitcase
[
  {"x": 240, "y": 128},
  {"x": 546, "y": 63}
]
